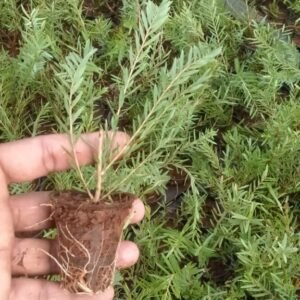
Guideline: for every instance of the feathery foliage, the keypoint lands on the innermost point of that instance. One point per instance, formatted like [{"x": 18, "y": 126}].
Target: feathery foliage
[{"x": 198, "y": 88}]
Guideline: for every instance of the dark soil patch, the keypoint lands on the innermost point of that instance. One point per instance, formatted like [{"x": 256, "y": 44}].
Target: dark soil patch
[
  {"x": 279, "y": 14},
  {"x": 178, "y": 184},
  {"x": 276, "y": 11},
  {"x": 10, "y": 41},
  {"x": 170, "y": 204},
  {"x": 248, "y": 296},
  {"x": 241, "y": 116},
  {"x": 219, "y": 271},
  {"x": 209, "y": 214},
  {"x": 103, "y": 112},
  {"x": 95, "y": 8},
  {"x": 220, "y": 142},
  {"x": 88, "y": 238},
  {"x": 296, "y": 282},
  {"x": 41, "y": 184}
]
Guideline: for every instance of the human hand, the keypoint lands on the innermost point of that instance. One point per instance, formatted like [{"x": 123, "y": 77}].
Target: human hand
[{"x": 23, "y": 161}]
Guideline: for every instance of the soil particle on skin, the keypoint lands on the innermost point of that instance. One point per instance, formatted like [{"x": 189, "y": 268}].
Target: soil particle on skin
[{"x": 88, "y": 238}]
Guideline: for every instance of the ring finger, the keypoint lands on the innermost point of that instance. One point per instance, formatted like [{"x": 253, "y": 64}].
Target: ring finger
[{"x": 32, "y": 256}]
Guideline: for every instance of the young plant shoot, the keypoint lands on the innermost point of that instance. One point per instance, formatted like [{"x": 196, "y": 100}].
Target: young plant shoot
[
  {"x": 206, "y": 94},
  {"x": 90, "y": 223}
]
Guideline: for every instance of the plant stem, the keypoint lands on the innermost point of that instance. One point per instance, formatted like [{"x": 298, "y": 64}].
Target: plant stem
[
  {"x": 137, "y": 57},
  {"x": 99, "y": 169},
  {"x": 74, "y": 152},
  {"x": 137, "y": 132}
]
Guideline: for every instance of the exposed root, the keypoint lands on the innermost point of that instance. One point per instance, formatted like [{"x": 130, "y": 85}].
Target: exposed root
[
  {"x": 88, "y": 249},
  {"x": 80, "y": 284},
  {"x": 85, "y": 288},
  {"x": 56, "y": 261},
  {"x": 81, "y": 246},
  {"x": 41, "y": 222},
  {"x": 76, "y": 281}
]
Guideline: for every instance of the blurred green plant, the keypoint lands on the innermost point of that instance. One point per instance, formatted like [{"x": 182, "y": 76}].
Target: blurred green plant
[{"x": 197, "y": 89}]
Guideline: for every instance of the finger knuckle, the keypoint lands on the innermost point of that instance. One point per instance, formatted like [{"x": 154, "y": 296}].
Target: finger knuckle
[{"x": 49, "y": 160}]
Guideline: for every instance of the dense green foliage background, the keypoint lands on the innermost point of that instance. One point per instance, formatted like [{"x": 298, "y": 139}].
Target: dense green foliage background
[{"x": 222, "y": 94}]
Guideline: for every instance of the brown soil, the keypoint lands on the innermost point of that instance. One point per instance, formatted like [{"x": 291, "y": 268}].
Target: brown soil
[
  {"x": 10, "y": 41},
  {"x": 209, "y": 214},
  {"x": 88, "y": 238},
  {"x": 219, "y": 270},
  {"x": 177, "y": 185},
  {"x": 95, "y": 8}
]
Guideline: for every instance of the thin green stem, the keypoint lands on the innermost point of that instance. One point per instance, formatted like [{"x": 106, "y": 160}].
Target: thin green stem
[
  {"x": 99, "y": 169},
  {"x": 72, "y": 142},
  {"x": 137, "y": 132}
]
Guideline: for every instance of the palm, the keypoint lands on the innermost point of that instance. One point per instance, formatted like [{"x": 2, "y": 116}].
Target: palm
[{"x": 26, "y": 160}]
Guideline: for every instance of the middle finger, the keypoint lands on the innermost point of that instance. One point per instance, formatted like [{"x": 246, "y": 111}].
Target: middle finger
[{"x": 31, "y": 211}]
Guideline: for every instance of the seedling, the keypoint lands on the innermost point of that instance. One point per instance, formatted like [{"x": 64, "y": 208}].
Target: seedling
[
  {"x": 234, "y": 233},
  {"x": 90, "y": 224},
  {"x": 89, "y": 234}
]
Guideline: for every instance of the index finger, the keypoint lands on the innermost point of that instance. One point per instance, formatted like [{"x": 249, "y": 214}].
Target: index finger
[{"x": 30, "y": 158}]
